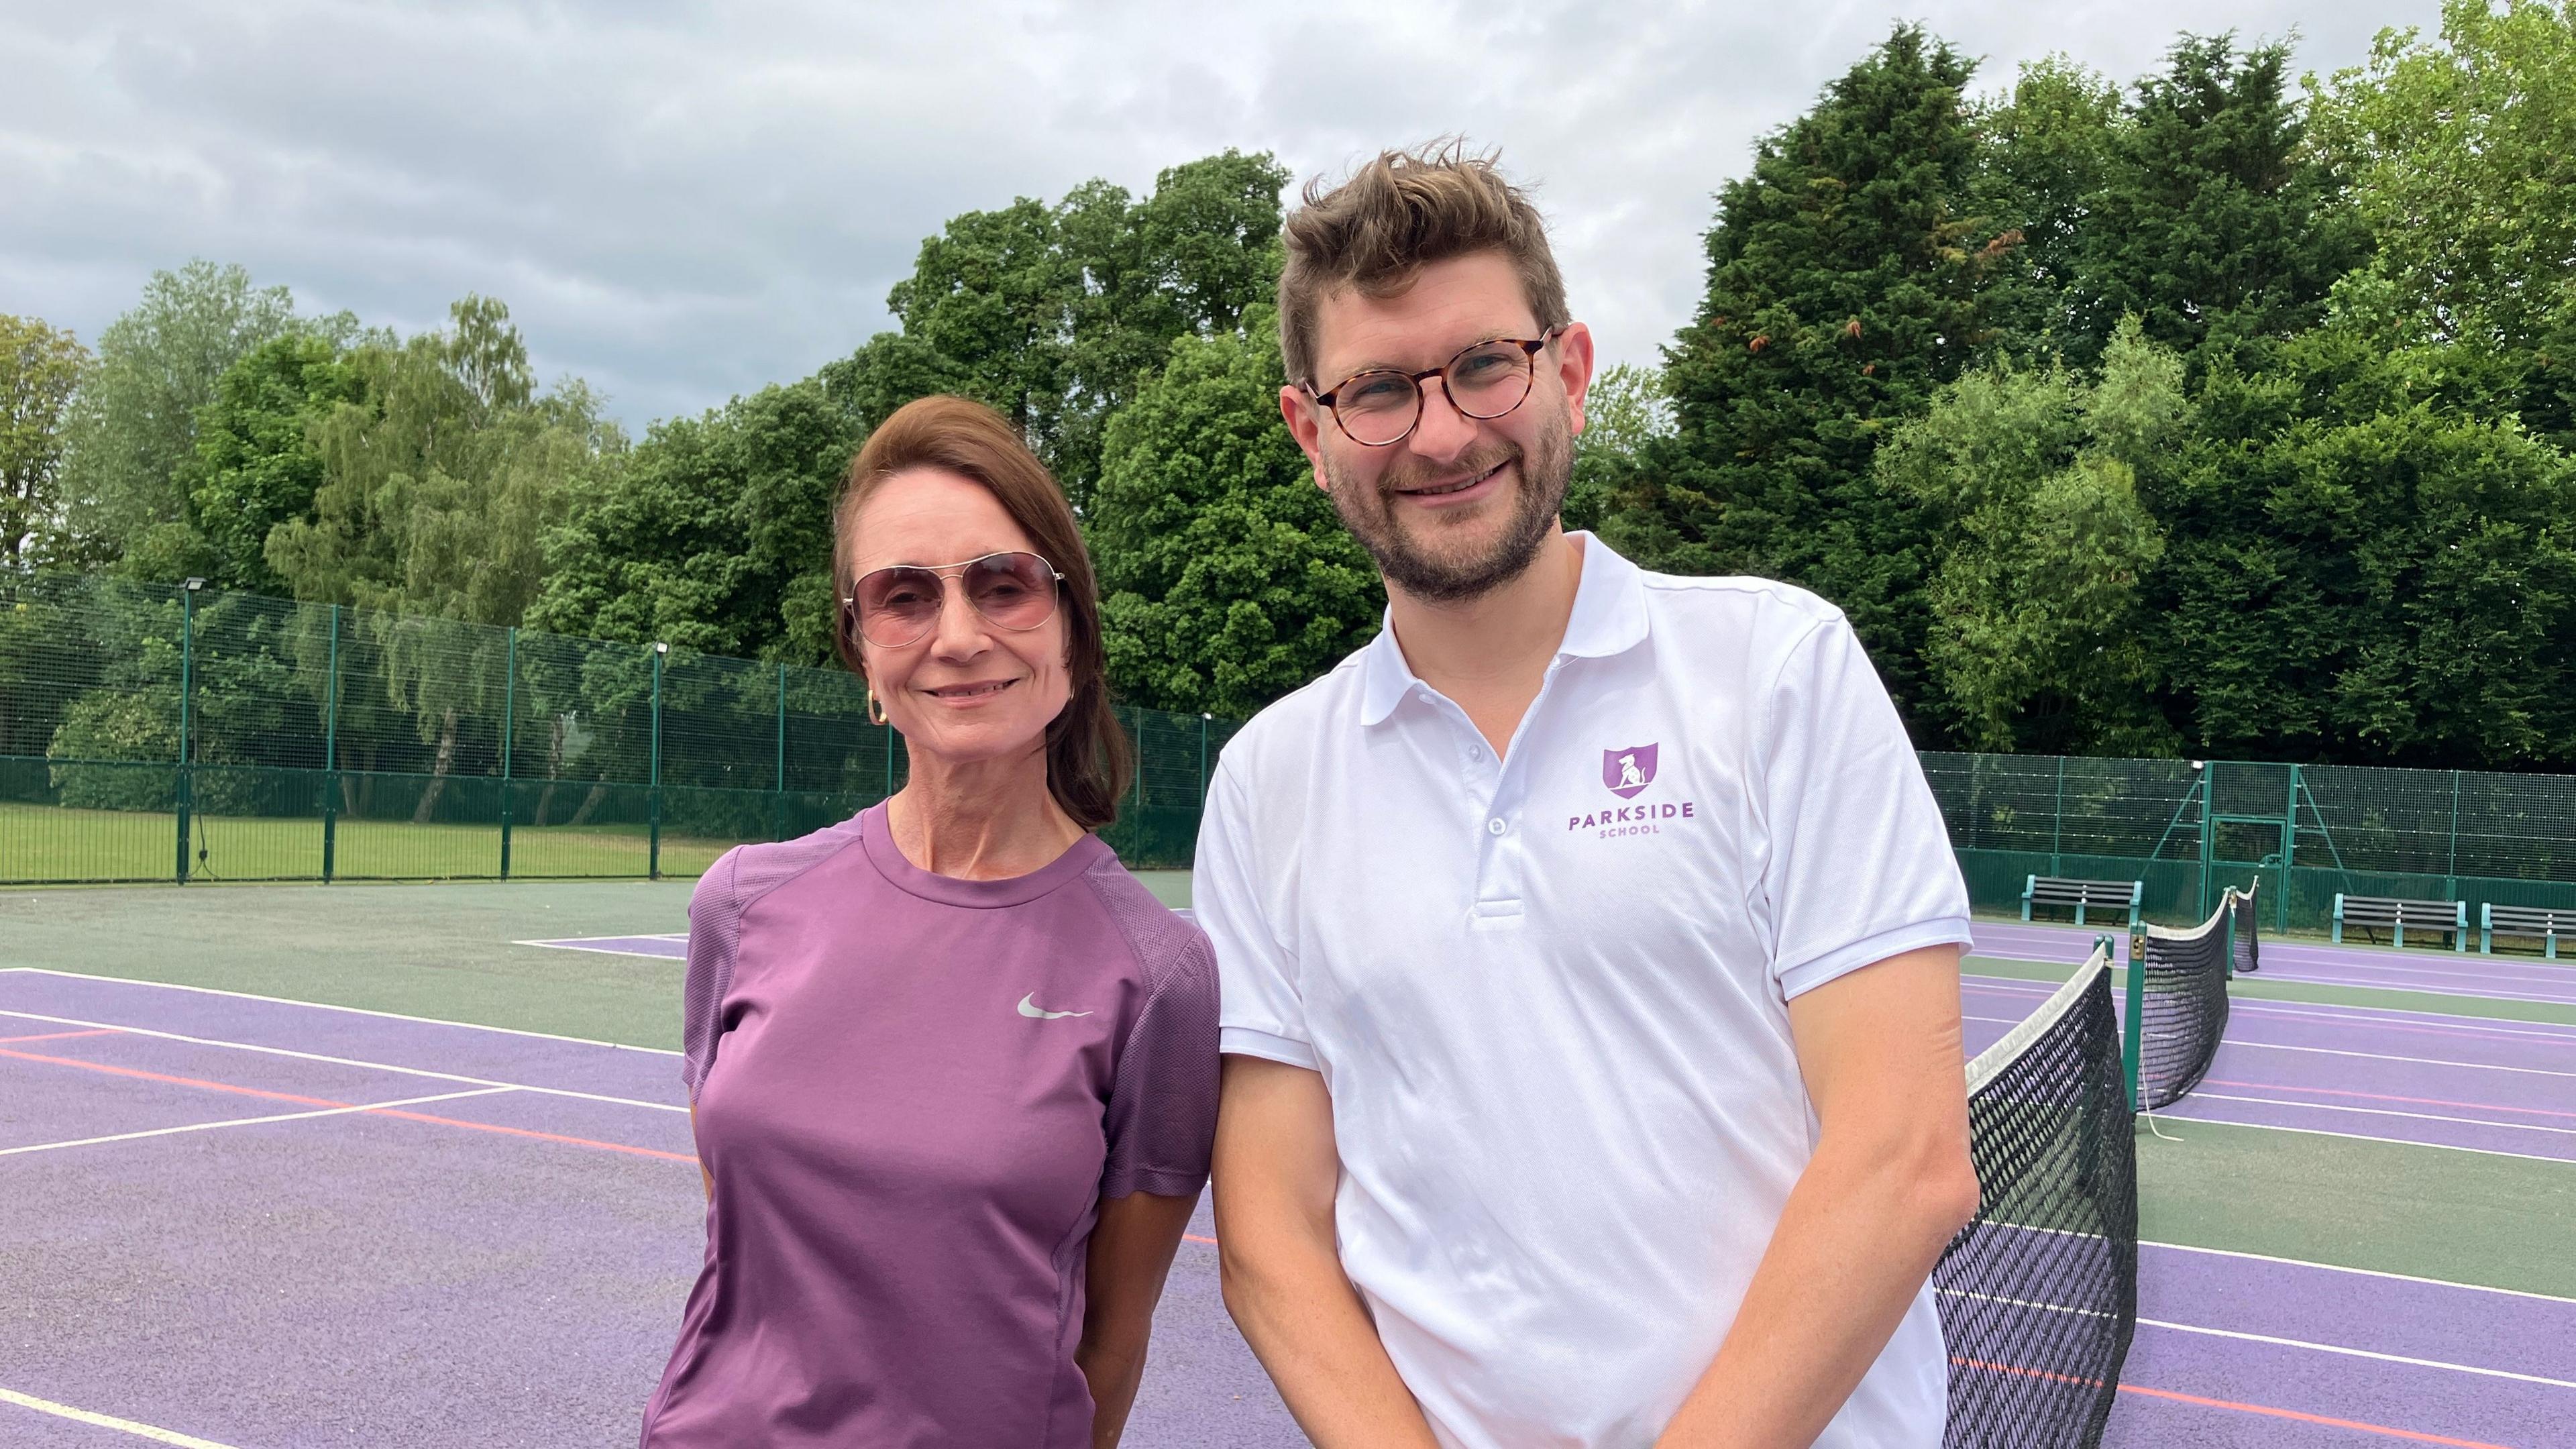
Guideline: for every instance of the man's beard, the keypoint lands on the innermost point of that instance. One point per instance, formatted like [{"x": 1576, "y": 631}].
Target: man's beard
[{"x": 1455, "y": 574}]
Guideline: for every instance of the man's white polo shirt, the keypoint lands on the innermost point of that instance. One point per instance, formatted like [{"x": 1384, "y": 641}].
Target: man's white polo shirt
[{"x": 1549, "y": 993}]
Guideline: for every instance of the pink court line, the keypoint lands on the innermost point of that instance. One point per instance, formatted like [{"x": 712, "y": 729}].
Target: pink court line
[
  {"x": 2267, "y": 1411},
  {"x": 2386, "y": 1097},
  {"x": 140, "y": 1075},
  {"x": 59, "y": 1035}
]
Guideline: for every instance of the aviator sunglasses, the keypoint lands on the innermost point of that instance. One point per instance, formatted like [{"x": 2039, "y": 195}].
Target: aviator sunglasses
[{"x": 898, "y": 604}]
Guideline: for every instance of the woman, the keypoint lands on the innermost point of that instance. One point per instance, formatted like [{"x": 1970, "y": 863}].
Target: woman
[{"x": 952, "y": 1070}]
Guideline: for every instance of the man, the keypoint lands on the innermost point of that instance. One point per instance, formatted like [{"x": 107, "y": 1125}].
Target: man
[{"x": 1589, "y": 940}]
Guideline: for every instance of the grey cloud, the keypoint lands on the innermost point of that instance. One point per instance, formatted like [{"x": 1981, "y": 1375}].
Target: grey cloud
[{"x": 681, "y": 202}]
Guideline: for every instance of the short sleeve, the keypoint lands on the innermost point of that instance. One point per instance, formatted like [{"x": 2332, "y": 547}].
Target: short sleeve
[
  {"x": 1263, "y": 1014},
  {"x": 1859, "y": 863},
  {"x": 715, "y": 937},
  {"x": 1162, "y": 1100}
]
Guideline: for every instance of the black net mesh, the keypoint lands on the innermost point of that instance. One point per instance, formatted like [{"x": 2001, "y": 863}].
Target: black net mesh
[
  {"x": 2182, "y": 1005},
  {"x": 2039, "y": 1294}
]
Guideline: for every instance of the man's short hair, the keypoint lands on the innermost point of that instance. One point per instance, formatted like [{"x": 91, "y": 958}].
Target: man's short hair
[{"x": 1396, "y": 215}]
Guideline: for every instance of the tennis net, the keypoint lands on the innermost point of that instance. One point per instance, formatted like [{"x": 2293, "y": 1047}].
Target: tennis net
[
  {"x": 2177, "y": 1004},
  {"x": 2039, "y": 1293}
]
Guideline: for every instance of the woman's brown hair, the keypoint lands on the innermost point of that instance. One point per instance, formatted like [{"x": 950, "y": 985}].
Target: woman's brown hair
[{"x": 1087, "y": 757}]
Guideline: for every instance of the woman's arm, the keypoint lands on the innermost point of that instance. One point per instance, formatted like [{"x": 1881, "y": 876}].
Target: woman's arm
[
  {"x": 705, "y": 1176},
  {"x": 1131, "y": 1252}
]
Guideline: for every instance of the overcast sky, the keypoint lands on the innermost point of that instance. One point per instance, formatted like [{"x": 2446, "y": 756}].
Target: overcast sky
[{"x": 681, "y": 202}]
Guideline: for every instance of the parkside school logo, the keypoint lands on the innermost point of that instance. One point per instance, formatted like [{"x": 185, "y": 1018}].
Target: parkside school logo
[{"x": 1626, "y": 773}]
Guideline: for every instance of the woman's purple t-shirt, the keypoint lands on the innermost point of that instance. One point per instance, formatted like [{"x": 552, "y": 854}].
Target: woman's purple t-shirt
[{"x": 912, "y": 1093}]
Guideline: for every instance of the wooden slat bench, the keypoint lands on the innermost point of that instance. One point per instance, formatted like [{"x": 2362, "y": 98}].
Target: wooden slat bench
[
  {"x": 2547, "y": 925},
  {"x": 2366, "y": 913},
  {"x": 2050, "y": 890}
]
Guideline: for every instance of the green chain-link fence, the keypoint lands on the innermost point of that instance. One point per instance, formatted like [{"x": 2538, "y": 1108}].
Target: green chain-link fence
[
  {"x": 2188, "y": 830},
  {"x": 149, "y": 732}
]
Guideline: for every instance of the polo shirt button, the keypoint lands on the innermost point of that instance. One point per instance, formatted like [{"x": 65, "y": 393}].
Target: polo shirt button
[{"x": 1494, "y": 827}]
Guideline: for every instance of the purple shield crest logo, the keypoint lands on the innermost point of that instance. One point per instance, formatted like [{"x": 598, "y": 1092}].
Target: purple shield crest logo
[{"x": 1628, "y": 772}]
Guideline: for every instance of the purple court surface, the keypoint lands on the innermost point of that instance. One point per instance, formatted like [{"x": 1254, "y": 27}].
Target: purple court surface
[{"x": 250, "y": 1224}]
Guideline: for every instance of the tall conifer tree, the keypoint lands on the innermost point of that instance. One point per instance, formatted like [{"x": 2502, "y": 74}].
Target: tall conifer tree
[{"x": 1842, "y": 291}]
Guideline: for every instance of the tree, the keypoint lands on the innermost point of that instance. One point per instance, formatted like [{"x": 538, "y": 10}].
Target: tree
[
  {"x": 1626, "y": 406},
  {"x": 2215, "y": 221},
  {"x": 39, "y": 369},
  {"x": 1227, "y": 579},
  {"x": 132, "y": 427},
  {"x": 1051, "y": 314},
  {"x": 716, "y": 533},
  {"x": 2361, "y": 568},
  {"x": 2030, "y": 476},
  {"x": 1841, "y": 293},
  {"x": 2045, "y": 153},
  {"x": 256, "y": 466},
  {"x": 2462, "y": 168}
]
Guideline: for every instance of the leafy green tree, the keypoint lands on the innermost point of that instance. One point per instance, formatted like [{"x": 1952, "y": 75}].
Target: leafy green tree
[
  {"x": 1626, "y": 406},
  {"x": 1052, "y": 314},
  {"x": 131, "y": 433},
  {"x": 2046, "y": 150},
  {"x": 2462, "y": 156},
  {"x": 716, "y": 534},
  {"x": 1842, "y": 292},
  {"x": 2361, "y": 569},
  {"x": 256, "y": 466},
  {"x": 39, "y": 369},
  {"x": 2215, "y": 221},
  {"x": 1226, "y": 577},
  {"x": 2039, "y": 639}
]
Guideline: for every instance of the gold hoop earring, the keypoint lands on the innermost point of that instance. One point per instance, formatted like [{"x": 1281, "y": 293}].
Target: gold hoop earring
[{"x": 876, "y": 711}]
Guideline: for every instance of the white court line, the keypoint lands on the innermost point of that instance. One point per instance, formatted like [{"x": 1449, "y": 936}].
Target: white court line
[
  {"x": 2282, "y": 1046},
  {"x": 250, "y": 1121},
  {"x": 352, "y": 1010},
  {"x": 2201, "y": 1096},
  {"x": 2496, "y": 1027},
  {"x": 244, "y": 1046},
  {"x": 2270, "y": 975},
  {"x": 570, "y": 945},
  {"x": 102, "y": 1421},
  {"x": 2320, "y": 1010},
  {"x": 2365, "y": 1272},
  {"x": 2172, "y": 1115},
  {"x": 2431, "y": 1363}
]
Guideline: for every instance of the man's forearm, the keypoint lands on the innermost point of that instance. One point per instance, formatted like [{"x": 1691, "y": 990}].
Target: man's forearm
[
  {"x": 1855, "y": 1241},
  {"x": 1307, "y": 1326}
]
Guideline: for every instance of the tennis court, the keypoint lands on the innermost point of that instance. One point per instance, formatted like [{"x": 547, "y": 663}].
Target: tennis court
[{"x": 267, "y": 1190}]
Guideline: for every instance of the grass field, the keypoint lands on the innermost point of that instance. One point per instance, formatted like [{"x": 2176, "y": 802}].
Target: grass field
[{"x": 43, "y": 843}]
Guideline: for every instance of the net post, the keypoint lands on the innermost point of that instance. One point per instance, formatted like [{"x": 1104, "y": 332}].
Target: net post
[
  {"x": 2227, "y": 908},
  {"x": 331, "y": 754},
  {"x": 653, "y": 847},
  {"x": 2133, "y": 1030},
  {"x": 509, "y": 715}
]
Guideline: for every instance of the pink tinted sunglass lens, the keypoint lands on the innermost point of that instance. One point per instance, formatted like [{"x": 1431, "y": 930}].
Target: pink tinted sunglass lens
[{"x": 1013, "y": 590}]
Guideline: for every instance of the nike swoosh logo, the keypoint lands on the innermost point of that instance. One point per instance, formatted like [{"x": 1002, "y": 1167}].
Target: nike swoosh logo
[{"x": 1029, "y": 1007}]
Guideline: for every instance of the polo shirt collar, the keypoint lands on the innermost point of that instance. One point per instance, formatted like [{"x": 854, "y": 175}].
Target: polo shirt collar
[{"x": 1609, "y": 618}]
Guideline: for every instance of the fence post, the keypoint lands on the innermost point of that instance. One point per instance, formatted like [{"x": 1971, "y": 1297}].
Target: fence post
[
  {"x": 781, "y": 831},
  {"x": 2451, "y": 863},
  {"x": 187, "y": 782},
  {"x": 653, "y": 851},
  {"x": 331, "y": 755},
  {"x": 1136, "y": 732},
  {"x": 2208, "y": 833},
  {"x": 1204, "y": 718},
  {"x": 2057, "y": 823},
  {"x": 2289, "y": 854},
  {"x": 509, "y": 720}
]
